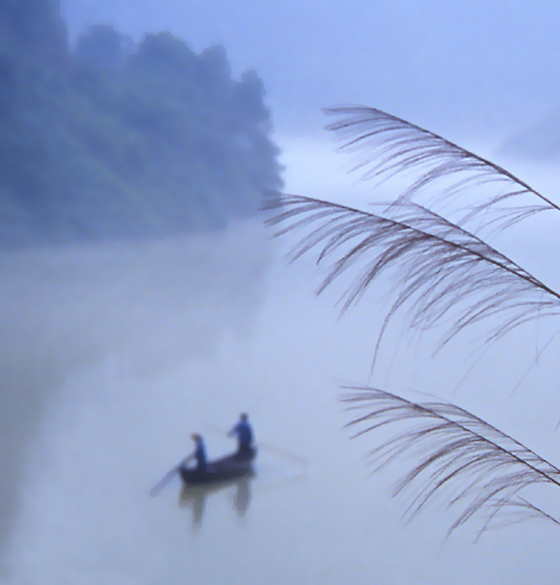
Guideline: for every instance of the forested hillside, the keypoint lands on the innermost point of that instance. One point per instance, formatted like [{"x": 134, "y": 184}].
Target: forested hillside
[{"x": 109, "y": 139}]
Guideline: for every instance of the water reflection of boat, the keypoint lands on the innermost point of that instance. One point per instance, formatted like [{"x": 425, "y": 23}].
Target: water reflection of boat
[
  {"x": 220, "y": 470},
  {"x": 195, "y": 496}
]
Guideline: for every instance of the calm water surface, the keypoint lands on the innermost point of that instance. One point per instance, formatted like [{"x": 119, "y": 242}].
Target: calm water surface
[{"x": 113, "y": 354}]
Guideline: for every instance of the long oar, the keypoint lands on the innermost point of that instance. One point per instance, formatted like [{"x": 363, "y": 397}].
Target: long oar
[{"x": 168, "y": 477}]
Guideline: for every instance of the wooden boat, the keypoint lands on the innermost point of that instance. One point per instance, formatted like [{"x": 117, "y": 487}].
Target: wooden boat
[{"x": 220, "y": 470}]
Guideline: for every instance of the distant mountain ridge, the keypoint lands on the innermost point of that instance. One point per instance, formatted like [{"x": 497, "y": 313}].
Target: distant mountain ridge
[
  {"x": 110, "y": 139},
  {"x": 541, "y": 141}
]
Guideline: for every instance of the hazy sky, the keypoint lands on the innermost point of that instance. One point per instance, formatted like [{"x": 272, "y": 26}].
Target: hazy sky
[{"x": 467, "y": 67}]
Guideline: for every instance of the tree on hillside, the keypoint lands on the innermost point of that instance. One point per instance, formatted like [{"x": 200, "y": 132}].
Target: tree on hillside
[
  {"x": 108, "y": 139},
  {"x": 35, "y": 28}
]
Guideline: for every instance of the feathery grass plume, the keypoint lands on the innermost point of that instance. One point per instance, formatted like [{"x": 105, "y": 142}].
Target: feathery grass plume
[
  {"x": 444, "y": 271},
  {"x": 441, "y": 271},
  {"x": 394, "y": 146},
  {"x": 454, "y": 452}
]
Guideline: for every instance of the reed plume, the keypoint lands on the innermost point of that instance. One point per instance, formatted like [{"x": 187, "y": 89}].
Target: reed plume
[
  {"x": 441, "y": 271},
  {"x": 440, "y": 268},
  {"x": 390, "y": 146},
  {"x": 454, "y": 452}
]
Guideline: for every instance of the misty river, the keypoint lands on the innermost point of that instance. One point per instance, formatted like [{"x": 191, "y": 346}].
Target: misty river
[{"x": 112, "y": 354}]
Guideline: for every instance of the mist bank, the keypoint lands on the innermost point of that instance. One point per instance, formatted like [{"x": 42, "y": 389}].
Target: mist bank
[
  {"x": 107, "y": 138},
  {"x": 142, "y": 305},
  {"x": 176, "y": 350}
]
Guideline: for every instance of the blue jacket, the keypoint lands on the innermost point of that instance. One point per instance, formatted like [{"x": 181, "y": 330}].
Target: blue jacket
[
  {"x": 200, "y": 455},
  {"x": 244, "y": 434}
]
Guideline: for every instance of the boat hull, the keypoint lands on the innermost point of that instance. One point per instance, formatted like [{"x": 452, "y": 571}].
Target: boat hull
[{"x": 220, "y": 470}]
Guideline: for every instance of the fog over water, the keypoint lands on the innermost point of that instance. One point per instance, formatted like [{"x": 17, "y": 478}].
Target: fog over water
[{"x": 112, "y": 354}]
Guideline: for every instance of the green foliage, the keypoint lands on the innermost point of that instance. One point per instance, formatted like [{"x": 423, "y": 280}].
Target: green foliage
[{"x": 110, "y": 140}]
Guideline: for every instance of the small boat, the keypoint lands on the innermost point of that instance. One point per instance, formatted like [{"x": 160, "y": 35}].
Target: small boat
[{"x": 220, "y": 470}]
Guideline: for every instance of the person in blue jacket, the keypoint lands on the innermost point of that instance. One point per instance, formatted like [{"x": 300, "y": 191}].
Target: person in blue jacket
[
  {"x": 244, "y": 433},
  {"x": 199, "y": 454}
]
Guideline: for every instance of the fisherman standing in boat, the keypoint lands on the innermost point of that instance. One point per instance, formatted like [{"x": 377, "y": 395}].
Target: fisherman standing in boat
[{"x": 244, "y": 433}]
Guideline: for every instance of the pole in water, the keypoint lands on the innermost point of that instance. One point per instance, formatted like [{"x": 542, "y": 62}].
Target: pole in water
[{"x": 168, "y": 477}]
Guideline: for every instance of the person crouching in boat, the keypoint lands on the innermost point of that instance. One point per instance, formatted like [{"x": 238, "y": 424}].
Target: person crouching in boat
[
  {"x": 244, "y": 433},
  {"x": 199, "y": 454}
]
